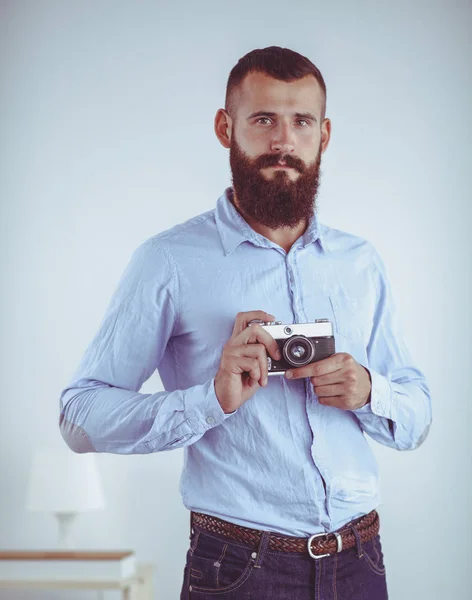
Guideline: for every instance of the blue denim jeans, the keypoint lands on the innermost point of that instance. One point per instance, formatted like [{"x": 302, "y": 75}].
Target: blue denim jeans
[{"x": 218, "y": 567}]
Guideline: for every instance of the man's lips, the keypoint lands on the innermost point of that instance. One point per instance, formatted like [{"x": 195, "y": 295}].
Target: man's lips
[{"x": 281, "y": 164}]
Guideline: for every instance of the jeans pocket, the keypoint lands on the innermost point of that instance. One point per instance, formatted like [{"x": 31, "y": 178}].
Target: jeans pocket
[
  {"x": 218, "y": 566},
  {"x": 373, "y": 555}
]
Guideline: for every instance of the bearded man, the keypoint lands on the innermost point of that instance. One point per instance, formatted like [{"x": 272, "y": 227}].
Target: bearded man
[{"x": 280, "y": 483}]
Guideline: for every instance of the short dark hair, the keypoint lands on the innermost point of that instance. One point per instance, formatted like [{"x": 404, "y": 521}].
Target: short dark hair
[{"x": 277, "y": 62}]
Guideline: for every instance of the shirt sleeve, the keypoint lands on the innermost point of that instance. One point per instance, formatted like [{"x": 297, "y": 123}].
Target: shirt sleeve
[
  {"x": 101, "y": 410},
  {"x": 399, "y": 414}
]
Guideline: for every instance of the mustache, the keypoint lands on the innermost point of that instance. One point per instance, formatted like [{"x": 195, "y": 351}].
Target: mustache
[{"x": 272, "y": 160}]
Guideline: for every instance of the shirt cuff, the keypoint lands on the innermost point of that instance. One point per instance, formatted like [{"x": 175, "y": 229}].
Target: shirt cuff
[
  {"x": 380, "y": 397},
  {"x": 202, "y": 409}
]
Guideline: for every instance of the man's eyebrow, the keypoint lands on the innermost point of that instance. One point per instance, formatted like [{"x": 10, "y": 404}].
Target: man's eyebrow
[
  {"x": 266, "y": 113},
  {"x": 306, "y": 115}
]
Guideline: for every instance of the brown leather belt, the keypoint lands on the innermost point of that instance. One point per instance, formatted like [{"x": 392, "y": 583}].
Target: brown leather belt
[{"x": 317, "y": 545}]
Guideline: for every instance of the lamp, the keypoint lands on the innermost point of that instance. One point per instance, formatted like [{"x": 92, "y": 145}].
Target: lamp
[{"x": 64, "y": 483}]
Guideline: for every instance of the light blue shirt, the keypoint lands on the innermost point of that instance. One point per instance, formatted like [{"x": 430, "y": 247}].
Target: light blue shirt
[{"x": 282, "y": 461}]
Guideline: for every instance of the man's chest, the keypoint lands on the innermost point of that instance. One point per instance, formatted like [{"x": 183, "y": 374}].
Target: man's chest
[{"x": 295, "y": 289}]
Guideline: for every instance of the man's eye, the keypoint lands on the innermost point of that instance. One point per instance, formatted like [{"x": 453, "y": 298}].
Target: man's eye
[
  {"x": 303, "y": 122},
  {"x": 263, "y": 119}
]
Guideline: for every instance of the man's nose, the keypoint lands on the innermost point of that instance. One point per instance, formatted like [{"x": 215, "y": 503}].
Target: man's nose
[{"x": 284, "y": 139}]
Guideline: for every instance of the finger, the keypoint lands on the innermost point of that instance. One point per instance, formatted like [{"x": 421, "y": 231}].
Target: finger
[
  {"x": 325, "y": 391},
  {"x": 256, "y": 334},
  {"x": 243, "y": 318},
  {"x": 335, "y": 401},
  {"x": 332, "y": 363},
  {"x": 257, "y": 351},
  {"x": 321, "y": 367},
  {"x": 262, "y": 358},
  {"x": 251, "y": 366},
  {"x": 329, "y": 378}
]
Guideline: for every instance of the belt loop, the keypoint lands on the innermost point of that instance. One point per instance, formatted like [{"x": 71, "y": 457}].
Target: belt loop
[
  {"x": 263, "y": 543},
  {"x": 360, "y": 552}
]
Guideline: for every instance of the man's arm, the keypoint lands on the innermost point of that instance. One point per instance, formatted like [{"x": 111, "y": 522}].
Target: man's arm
[
  {"x": 102, "y": 409},
  {"x": 399, "y": 412}
]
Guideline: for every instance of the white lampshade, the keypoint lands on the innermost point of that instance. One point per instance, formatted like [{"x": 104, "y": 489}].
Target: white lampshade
[{"x": 62, "y": 481}]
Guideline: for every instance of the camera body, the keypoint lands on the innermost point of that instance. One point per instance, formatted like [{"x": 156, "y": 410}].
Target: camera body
[{"x": 300, "y": 344}]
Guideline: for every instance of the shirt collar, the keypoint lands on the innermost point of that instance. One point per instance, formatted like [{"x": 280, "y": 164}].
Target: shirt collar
[{"x": 235, "y": 230}]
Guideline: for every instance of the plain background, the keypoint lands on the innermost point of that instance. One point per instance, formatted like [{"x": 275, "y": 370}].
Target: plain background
[{"x": 107, "y": 138}]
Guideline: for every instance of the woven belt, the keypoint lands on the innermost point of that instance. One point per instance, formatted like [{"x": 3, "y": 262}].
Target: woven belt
[{"x": 367, "y": 528}]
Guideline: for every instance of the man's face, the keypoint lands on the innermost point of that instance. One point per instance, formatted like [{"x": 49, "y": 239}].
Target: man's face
[{"x": 275, "y": 149}]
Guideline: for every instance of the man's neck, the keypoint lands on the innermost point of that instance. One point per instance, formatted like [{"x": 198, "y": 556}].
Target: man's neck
[{"x": 285, "y": 237}]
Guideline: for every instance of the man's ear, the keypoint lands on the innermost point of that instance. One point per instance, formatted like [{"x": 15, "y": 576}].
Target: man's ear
[
  {"x": 223, "y": 127},
  {"x": 325, "y": 134}
]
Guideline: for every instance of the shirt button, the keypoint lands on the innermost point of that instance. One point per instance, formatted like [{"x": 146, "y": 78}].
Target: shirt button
[
  {"x": 210, "y": 420},
  {"x": 254, "y": 555}
]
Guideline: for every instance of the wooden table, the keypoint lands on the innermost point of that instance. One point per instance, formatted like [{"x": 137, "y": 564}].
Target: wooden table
[{"x": 138, "y": 587}]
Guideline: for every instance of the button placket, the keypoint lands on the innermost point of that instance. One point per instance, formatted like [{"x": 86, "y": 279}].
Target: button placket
[
  {"x": 297, "y": 306},
  {"x": 292, "y": 288}
]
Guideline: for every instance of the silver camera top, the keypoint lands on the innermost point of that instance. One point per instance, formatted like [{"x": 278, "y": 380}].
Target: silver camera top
[{"x": 278, "y": 330}]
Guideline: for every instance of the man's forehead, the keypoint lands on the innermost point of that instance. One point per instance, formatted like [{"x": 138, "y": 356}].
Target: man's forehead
[{"x": 259, "y": 91}]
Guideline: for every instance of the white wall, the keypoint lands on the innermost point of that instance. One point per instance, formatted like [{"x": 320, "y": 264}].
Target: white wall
[{"x": 106, "y": 139}]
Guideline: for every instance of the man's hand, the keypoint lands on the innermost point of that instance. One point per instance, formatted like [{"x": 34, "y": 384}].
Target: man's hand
[
  {"x": 338, "y": 381},
  {"x": 243, "y": 365}
]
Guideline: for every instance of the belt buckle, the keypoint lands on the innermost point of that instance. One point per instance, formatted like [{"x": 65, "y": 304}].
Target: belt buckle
[{"x": 339, "y": 542}]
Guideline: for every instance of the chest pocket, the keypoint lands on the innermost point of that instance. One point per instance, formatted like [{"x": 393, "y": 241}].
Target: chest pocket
[{"x": 350, "y": 319}]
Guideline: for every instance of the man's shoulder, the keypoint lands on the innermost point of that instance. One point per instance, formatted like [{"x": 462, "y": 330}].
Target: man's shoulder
[
  {"x": 339, "y": 241},
  {"x": 198, "y": 230}
]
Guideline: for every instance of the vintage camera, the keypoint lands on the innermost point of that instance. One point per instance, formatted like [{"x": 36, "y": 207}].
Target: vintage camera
[{"x": 300, "y": 344}]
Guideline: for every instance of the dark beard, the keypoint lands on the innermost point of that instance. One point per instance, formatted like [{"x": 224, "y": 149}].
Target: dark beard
[{"x": 277, "y": 202}]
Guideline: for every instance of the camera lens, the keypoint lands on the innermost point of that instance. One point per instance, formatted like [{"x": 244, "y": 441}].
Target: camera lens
[{"x": 298, "y": 351}]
